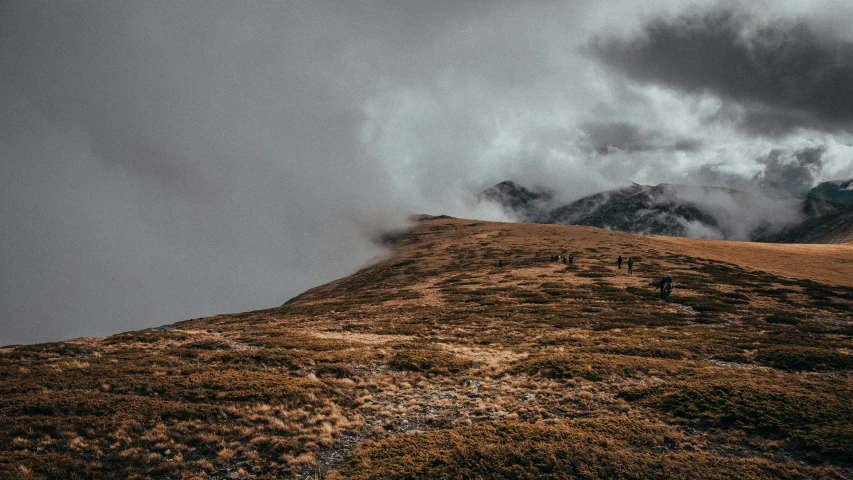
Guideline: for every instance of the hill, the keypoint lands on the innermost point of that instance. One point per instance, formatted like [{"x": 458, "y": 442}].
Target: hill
[
  {"x": 437, "y": 363},
  {"x": 683, "y": 211}
]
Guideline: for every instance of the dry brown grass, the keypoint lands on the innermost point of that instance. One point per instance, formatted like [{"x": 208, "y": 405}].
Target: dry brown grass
[{"x": 435, "y": 362}]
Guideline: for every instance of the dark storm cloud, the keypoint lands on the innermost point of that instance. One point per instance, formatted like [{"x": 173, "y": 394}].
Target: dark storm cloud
[
  {"x": 783, "y": 172},
  {"x": 791, "y": 172},
  {"x": 610, "y": 137},
  {"x": 785, "y": 70}
]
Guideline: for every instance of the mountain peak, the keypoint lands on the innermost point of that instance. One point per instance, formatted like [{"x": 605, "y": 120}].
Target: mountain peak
[{"x": 522, "y": 203}]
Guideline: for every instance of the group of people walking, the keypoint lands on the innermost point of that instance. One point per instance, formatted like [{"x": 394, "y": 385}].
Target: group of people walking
[
  {"x": 567, "y": 259},
  {"x": 630, "y": 264},
  {"x": 665, "y": 284}
]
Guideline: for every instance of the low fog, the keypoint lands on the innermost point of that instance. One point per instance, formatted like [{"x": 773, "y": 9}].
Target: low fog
[
  {"x": 738, "y": 214},
  {"x": 164, "y": 161}
]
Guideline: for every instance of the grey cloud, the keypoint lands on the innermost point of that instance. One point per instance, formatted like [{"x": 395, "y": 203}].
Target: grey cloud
[
  {"x": 169, "y": 162},
  {"x": 792, "y": 172},
  {"x": 782, "y": 172},
  {"x": 788, "y": 70},
  {"x": 715, "y": 175},
  {"x": 609, "y": 137}
]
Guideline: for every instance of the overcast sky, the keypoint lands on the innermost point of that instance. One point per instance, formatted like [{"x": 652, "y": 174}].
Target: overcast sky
[{"x": 169, "y": 160}]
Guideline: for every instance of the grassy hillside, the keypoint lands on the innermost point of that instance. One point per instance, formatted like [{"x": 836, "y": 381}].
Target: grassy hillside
[{"x": 437, "y": 363}]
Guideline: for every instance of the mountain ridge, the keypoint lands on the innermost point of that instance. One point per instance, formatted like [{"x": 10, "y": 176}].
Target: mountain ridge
[{"x": 688, "y": 211}]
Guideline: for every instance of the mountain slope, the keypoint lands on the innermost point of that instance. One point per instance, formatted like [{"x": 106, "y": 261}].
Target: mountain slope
[
  {"x": 836, "y": 227},
  {"x": 436, "y": 363},
  {"x": 836, "y": 191},
  {"x": 637, "y": 209}
]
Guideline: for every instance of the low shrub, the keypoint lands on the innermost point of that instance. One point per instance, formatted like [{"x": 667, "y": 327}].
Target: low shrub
[
  {"x": 620, "y": 450},
  {"x": 815, "y": 418},
  {"x": 798, "y": 358},
  {"x": 428, "y": 360},
  {"x": 591, "y": 366}
]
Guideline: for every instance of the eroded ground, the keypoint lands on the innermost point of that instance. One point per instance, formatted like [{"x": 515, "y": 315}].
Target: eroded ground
[{"x": 438, "y": 363}]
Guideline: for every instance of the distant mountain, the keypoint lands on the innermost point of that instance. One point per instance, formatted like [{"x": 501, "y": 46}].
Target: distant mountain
[
  {"x": 658, "y": 210},
  {"x": 823, "y": 225},
  {"x": 523, "y": 204},
  {"x": 679, "y": 210},
  {"x": 836, "y": 227},
  {"x": 836, "y": 191}
]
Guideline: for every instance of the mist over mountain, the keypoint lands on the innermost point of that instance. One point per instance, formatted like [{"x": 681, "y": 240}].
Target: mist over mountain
[
  {"x": 523, "y": 204},
  {"x": 835, "y": 190},
  {"x": 683, "y": 211},
  {"x": 829, "y": 211},
  {"x": 831, "y": 228}
]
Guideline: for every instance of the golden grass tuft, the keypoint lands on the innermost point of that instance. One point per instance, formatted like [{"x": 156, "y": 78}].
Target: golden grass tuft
[{"x": 437, "y": 363}]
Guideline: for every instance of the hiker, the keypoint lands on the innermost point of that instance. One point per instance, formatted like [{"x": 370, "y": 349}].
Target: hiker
[
  {"x": 665, "y": 286},
  {"x": 500, "y": 263},
  {"x": 564, "y": 259},
  {"x": 630, "y": 265},
  {"x": 619, "y": 262},
  {"x": 571, "y": 258}
]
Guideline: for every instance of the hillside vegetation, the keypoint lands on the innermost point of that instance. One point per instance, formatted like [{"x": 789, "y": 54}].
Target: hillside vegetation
[{"x": 438, "y": 363}]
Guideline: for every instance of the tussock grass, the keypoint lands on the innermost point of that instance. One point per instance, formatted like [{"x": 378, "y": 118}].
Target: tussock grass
[
  {"x": 814, "y": 418},
  {"x": 606, "y": 449},
  {"x": 593, "y": 367},
  {"x": 799, "y": 358},
  {"x": 428, "y": 360},
  {"x": 437, "y": 363}
]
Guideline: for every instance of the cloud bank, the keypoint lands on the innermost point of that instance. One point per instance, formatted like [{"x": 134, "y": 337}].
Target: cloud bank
[{"x": 785, "y": 74}]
